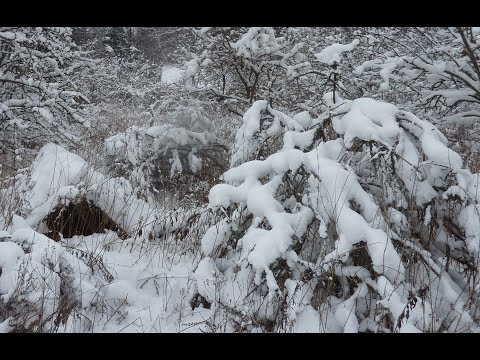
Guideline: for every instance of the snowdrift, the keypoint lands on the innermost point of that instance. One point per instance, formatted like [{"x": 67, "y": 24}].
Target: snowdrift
[
  {"x": 102, "y": 267},
  {"x": 58, "y": 178}
]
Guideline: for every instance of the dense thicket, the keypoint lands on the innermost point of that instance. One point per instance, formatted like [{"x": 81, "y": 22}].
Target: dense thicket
[{"x": 239, "y": 179}]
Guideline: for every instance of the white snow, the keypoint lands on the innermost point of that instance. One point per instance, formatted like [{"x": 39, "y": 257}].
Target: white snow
[
  {"x": 194, "y": 161},
  {"x": 469, "y": 219},
  {"x": 303, "y": 233},
  {"x": 145, "y": 294},
  {"x": 171, "y": 75},
  {"x": 5, "y": 327},
  {"x": 215, "y": 236},
  {"x": 331, "y": 54},
  {"x": 206, "y": 278},
  {"x": 368, "y": 120},
  {"x": 10, "y": 253},
  {"x": 61, "y": 176},
  {"x": 191, "y": 68},
  {"x": 53, "y": 169},
  {"x": 176, "y": 164},
  {"x": 257, "y": 41}
]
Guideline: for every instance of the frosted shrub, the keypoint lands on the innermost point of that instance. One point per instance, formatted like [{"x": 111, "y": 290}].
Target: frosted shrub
[{"x": 363, "y": 221}]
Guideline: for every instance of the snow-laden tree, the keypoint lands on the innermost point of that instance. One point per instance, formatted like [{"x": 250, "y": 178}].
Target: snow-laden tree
[
  {"x": 123, "y": 91},
  {"x": 436, "y": 67},
  {"x": 133, "y": 82},
  {"x": 240, "y": 65},
  {"x": 433, "y": 72},
  {"x": 38, "y": 97},
  {"x": 118, "y": 41},
  {"x": 360, "y": 220},
  {"x": 285, "y": 66},
  {"x": 169, "y": 161}
]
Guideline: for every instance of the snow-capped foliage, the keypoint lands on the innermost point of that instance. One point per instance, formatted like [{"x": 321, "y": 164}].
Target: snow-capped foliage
[
  {"x": 257, "y": 130},
  {"x": 240, "y": 65},
  {"x": 58, "y": 177},
  {"x": 331, "y": 54},
  {"x": 165, "y": 158},
  {"x": 38, "y": 98},
  {"x": 251, "y": 179},
  {"x": 439, "y": 65},
  {"x": 339, "y": 224},
  {"x": 171, "y": 75}
]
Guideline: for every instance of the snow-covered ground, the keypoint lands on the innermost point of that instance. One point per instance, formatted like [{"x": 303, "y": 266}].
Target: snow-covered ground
[
  {"x": 113, "y": 284},
  {"x": 171, "y": 74}
]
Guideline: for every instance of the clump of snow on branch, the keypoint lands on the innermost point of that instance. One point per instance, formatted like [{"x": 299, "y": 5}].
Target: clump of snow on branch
[{"x": 331, "y": 54}]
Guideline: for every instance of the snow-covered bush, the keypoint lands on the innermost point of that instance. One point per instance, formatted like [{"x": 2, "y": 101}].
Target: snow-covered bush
[
  {"x": 39, "y": 99},
  {"x": 58, "y": 178},
  {"x": 167, "y": 160},
  {"x": 433, "y": 71},
  {"x": 237, "y": 66},
  {"x": 79, "y": 281},
  {"x": 364, "y": 220}
]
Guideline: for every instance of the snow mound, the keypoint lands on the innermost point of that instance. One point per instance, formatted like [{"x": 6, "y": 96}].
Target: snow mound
[
  {"x": 96, "y": 283},
  {"x": 58, "y": 177},
  {"x": 171, "y": 75}
]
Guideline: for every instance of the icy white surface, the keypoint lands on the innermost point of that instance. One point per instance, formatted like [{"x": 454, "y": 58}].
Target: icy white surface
[
  {"x": 171, "y": 75},
  {"x": 331, "y": 54},
  {"x": 60, "y": 176}
]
